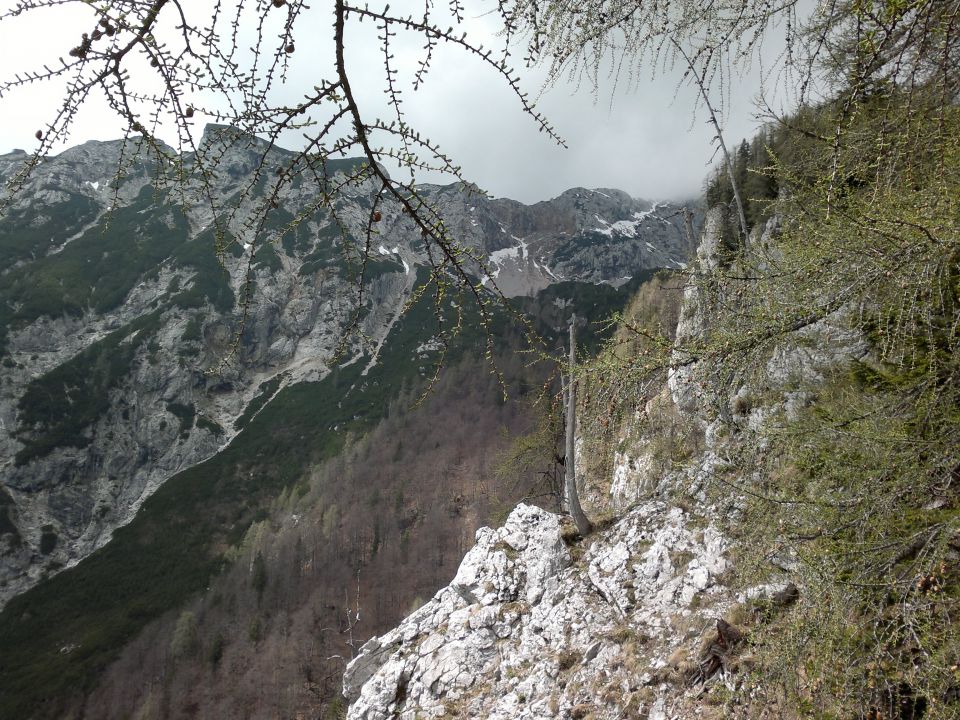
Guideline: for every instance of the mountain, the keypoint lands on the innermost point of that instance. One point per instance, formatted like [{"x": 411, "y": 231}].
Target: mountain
[
  {"x": 170, "y": 415},
  {"x": 538, "y": 622},
  {"x": 116, "y": 317}
]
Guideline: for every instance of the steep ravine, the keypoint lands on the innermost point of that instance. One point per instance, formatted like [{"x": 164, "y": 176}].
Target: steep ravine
[{"x": 156, "y": 410}]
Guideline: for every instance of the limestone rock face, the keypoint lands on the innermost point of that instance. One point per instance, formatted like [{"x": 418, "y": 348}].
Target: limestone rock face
[
  {"x": 587, "y": 235},
  {"x": 522, "y": 632},
  {"x": 508, "y": 569}
]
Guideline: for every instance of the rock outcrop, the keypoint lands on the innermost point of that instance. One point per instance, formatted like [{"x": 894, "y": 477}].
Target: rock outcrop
[{"x": 524, "y": 632}]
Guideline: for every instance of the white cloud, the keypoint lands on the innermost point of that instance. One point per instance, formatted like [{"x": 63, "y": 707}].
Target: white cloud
[{"x": 645, "y": 141}]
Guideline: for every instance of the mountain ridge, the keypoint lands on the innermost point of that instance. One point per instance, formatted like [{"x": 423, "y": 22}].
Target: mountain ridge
[{"x": 175, "y": 310}]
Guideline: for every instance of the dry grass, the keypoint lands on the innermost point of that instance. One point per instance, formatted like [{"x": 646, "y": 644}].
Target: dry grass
[{"x": 567, "y": 659}]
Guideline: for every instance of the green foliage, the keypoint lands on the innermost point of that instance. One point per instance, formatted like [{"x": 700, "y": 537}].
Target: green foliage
[
  {"x": 756, "y": 178},
  {"x": 867, "y": 510},
  {"x": 332, "y": 249},
  {"x": 279, "y": 219},
  {"x": 192, "y": 332},
  {"x": 595, "y": 304},
  {"x": 535, "y": 458},
  {"x": 25, "y": 236},
  {"x": 205, "y": 423},
  {"x": 48, "y": 540},
  {"x": 336, "y": 709},
  {"x": 266, "y": 256},
  {"x": 861, "y": 490},
  {"x": 184, "y": 640},
  {"x": 166, "y": 553},
  {"x": 186, "y": 414},
  {"x": 211, "y": 282},
  {"x": 255, "y": 630},
  {"x": 856, "y": 491},
  {"x": 300, "y": 238},
  {"x": 97, "y": 270},
  {"x": 267, "y": 389},
  {"x": 173, "y": 546},
  {"x": 57, "y": 408},
  {"x": 7, "y": 506},
  {"x": 374, "y": 268},
  {"x": 258, "y": 575},
  {"x": 215, "y": 653},
  {"x": 619, "y": 388}
]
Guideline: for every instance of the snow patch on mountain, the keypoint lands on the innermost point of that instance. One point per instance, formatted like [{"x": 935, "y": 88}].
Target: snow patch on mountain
[{"x": 627, "y": 228}]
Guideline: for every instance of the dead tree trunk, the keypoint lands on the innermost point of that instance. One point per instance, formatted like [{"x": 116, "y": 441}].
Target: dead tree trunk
[
  {"x": 728, "y": 160},
  {"x": 570, "y": 482},
  {"x": 688, "y": 231}
]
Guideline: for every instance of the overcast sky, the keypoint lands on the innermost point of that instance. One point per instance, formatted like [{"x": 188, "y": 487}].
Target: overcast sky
[{"x": 644, "y": 139}]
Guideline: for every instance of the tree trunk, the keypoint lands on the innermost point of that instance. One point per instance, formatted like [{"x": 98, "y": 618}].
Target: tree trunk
[
  {"x": 688, "y": 231},
  {"x": 702, "y": 86},
  {"x": 570, "y": 485}
]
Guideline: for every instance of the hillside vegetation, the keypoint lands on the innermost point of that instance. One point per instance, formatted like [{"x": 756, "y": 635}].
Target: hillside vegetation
[{"x": 851, "y": 488}]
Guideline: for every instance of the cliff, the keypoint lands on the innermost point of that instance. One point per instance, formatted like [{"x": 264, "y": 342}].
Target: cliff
[{"x": 685, "y": 603}]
